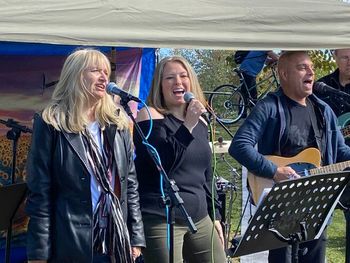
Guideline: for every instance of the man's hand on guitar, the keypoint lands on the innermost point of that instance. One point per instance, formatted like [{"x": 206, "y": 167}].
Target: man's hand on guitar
[{"x": 285, "y": 173}]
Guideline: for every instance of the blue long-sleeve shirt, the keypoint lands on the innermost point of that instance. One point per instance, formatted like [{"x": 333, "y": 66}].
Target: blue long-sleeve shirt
[{"x": 254, "y": 62}]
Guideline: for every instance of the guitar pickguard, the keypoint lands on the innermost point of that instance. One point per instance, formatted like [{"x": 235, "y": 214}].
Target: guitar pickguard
[
  {"x": 308, "y": 158},
  {"x": 344, "y": 120},
  {"x": 302, "y": 168}
]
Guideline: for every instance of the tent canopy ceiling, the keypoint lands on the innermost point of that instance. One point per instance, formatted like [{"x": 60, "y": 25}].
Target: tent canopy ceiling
[{"x": 218, "y": 24}]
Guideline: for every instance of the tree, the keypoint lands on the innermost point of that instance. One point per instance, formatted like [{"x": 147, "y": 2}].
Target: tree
[
  {"x": 324, "y": 62},
  {"x": 212, "y": 66}
]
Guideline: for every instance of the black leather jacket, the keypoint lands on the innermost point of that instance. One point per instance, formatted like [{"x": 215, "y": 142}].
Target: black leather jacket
[{"x": 59, "y": 202}]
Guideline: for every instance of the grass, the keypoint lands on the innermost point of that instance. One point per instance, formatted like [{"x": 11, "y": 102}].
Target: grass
[
  {"x": 336, "y": 238},
  {"x": 335, "y": 252}
]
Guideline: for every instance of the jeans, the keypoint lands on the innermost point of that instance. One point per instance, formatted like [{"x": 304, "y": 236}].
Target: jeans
[{"x": 191, "y": 247}]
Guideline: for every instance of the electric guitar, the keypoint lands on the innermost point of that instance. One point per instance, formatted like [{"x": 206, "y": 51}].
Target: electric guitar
[
  {"x": 344, "y": 123},
  {"x": 307, "y": 162},
  {"x": 344, "y": 119}
]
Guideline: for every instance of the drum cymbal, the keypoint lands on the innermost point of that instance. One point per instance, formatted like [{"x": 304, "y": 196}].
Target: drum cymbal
[{"x": 220, "y": 147}]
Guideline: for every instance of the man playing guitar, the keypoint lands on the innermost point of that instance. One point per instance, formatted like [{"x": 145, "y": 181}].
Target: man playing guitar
[{"x": 286, "y": 123}]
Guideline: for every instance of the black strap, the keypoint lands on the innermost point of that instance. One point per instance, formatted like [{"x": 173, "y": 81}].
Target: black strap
[
  {"x": 282, "y": 111},
  {"x": 315, "y": 126}
]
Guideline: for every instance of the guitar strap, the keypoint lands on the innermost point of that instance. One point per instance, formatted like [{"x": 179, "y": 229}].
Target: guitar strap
[
  {"x": 315, "y": 127},
  {"x": 283, "y": 118}
]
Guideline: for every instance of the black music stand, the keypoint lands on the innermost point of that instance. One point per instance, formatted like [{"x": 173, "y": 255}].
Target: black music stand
[
  {"x": 11, "y": 196},
  {"x": 293, "y": 211}
]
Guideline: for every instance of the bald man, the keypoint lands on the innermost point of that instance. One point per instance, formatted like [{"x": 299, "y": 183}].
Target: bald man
[{"x": 285, "y": 123}]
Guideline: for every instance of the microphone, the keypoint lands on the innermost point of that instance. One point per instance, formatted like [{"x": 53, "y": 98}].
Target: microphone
[
  {"x": 188, "y": 96},
  {"x": 324, "y": 89},
  {"x": 15, "y": 125},
  {"x": 112, "y": 88}
]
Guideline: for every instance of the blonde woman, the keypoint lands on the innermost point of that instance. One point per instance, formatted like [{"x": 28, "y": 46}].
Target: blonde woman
[
  {"x": 83, "y": 201},
  {"x": 180, "y": 136}
]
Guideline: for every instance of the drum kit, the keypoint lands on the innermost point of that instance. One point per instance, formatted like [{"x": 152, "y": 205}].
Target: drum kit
[{"x": 220, "y": 146}]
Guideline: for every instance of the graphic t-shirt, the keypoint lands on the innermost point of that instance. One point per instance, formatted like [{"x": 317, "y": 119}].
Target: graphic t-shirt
[{"x": 299, "y": 133}]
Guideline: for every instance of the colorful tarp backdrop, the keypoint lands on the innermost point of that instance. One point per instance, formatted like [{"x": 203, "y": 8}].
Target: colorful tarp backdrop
[{"x": 28, "y": 75}]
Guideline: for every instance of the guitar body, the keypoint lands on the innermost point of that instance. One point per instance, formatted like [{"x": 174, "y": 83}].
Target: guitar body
[
  {"x": 344, "y": 120},
  {"x": 305, "y": 160},
  {"x": 344, "y": 123}
]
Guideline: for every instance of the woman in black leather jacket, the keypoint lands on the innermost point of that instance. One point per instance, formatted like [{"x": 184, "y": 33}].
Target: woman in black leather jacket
[{"x": 83, "y": 198}]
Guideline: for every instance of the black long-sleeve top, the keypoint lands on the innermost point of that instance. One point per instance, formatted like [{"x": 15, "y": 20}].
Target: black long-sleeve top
[{"x": 186, "y": 158}]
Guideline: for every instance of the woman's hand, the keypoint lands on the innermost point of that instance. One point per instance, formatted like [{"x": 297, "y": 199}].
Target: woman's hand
[
  {"x": 136, "y": 252},
  {"x": 194, "y": 110},
  {"x": 218, "y": 228}
]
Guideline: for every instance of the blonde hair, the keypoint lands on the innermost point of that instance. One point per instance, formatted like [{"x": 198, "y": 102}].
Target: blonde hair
[
  {"x": 155, "y": 98},
  {"x": 67, "y": 108}
]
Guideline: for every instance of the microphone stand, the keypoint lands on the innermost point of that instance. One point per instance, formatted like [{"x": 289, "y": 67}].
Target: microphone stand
[
  {"x": 211, "y": 112},
  {"x": 172, "y": 197},
  {"x": 13, "y": 135}
]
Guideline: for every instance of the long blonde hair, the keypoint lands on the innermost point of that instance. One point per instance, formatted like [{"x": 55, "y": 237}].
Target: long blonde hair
[
  {"x": 67, "y": 108},
  {"x": 155, "y": 98}
]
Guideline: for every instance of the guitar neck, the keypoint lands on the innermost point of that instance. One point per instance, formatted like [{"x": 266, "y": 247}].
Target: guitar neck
[{"x": 337, "y": 167}]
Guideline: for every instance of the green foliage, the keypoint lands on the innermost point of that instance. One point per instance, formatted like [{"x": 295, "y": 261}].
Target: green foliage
[
  {"x": 324, "y": 62},
  {"x": 266, "y": 81},
  {"x": 215, "y": 61},
  {"x": 213, "y": 67}
]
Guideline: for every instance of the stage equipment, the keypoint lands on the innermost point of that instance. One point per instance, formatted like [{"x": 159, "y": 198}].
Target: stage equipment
[
  {"x": 294, "y": 211},
  {"x": 13, "y": 134}
]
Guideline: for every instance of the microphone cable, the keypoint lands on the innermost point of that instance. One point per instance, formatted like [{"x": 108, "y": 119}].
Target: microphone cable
[
  {"x": 211, "y": 128},
  {"x": 161, "y": 178}
]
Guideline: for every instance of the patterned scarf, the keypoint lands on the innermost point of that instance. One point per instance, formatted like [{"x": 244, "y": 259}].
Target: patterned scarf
[{"x": 110, "y": 233}]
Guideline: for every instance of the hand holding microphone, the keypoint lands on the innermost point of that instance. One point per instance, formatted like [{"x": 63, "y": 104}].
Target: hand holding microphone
[{"x": 194, "y": 110}]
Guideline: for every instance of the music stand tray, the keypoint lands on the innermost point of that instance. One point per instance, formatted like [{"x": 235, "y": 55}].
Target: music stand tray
[
  {"x": 11, "y": 197},
  {"x": 293, "y": 211}
]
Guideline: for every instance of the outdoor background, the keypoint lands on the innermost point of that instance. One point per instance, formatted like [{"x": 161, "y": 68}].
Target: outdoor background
[{"x": 214, "y": 68}]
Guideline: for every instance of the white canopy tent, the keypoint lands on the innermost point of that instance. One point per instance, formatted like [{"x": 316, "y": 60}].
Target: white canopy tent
[{"x": 212, "y": 24}]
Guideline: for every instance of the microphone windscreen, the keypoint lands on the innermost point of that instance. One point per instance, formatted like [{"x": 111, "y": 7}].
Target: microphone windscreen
[
  {"x": 188, "y": 96},
  {"x": 110, "y": 87},
  {"x": 321, "y": 86}
]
